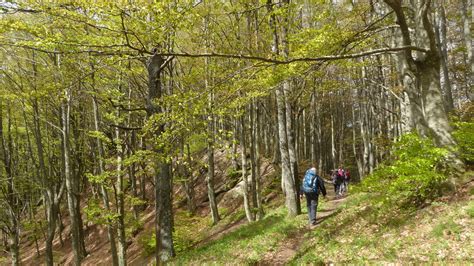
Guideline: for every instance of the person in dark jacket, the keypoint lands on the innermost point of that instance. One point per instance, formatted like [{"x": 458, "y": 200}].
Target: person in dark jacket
[{"x": 312, "y": 197}]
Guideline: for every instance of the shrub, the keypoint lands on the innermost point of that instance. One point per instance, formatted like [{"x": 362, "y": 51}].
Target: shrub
[
  {"x": 415, "y": 173},
  {"x": 465, "y": 139},
  {"x": 147, "y": 243}
]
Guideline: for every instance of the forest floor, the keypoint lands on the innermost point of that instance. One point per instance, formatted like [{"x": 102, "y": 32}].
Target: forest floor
[
  {"x": 288, "y": 249},
  {"x": 353, "y": 229}
]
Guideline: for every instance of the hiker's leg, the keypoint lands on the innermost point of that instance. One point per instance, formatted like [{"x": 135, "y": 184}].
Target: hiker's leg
[
  {"x": 308, "y": 205},
  {"x": 315, "y": 207},
  {"x": 313, "y": 198}
]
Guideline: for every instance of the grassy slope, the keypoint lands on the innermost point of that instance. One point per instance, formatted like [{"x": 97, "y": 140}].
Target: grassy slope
[
  {"x": 248, "y": 243},
  {"x": 359, "y": 232}
]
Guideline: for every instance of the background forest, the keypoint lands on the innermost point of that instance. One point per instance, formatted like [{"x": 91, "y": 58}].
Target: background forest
[{"x": 129, "y": 123}]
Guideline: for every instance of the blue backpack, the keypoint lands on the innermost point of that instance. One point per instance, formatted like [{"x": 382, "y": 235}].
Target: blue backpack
[{"x": 310, "y": 184}]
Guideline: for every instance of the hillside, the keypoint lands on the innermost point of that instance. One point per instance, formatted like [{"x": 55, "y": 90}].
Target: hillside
[
  {"x": 190, "y": 230},
  {"x": 351, "y": 230}
]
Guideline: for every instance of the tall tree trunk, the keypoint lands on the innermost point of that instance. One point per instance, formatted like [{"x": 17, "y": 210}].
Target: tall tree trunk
[
  {"x": 11, "y": 195},
  {"x": 49, "y": 193},
  {"x": 354, "y": 144},
  {"x": 119, "y": 188},
  {"x": 210, "y": 135},
  {"x": 253, "y": 160},
  {"x": 421, "y": 76},
  {"x": 441, "y": 39},
  {"x": 71, "y": 185},
  {"x": 51, "y": 198},
  {"x": 103, "y": 189},
  {"x": 290, "y": 131},
  {"x": 211, "y": 171},
  {"x": 210, "y": 157},
  {"x": 256, "y": 144},
  {"x": 189, "y": 182},
  {"x": 245, "y": 188},
  {"x": 235, "y": 163},
  {"x": 163, "y": 205},
  {"x": 467, "y": 24},
  {"x": 333, "y": 144}
]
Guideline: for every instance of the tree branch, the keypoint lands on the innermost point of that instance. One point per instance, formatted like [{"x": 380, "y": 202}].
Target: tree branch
[
  {"x": 125, "y": 108},
  {"x": 125, "y": 128},
  {"x": 302, "y": 59}
]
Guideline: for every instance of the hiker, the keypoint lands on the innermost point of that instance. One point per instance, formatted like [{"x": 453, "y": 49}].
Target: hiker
[
  {"x": 334, "y": 180},
  {"x": 340, "y": 176},
  {"x": 311, "y": 187},
  {"x": 347, "y": 179}
]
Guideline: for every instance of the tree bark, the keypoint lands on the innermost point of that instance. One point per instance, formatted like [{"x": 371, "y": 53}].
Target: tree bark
[
  {"x": 245, "y": 188},
  {"x": 467, "y": 22},
  {"x": 11, "y": 195},
  {"x": 103, "y": 189},
  {"x": 163, "y": 205},
  {"x": 119, "y": 188},
  {"x": 71, "y": 184},
  {"x": 421, "y": 73},
  {"x": 441, "y": 39}
]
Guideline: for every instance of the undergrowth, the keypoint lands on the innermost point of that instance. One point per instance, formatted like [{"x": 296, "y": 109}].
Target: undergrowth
[
  {"x": 363, "y": 232},
  {"x": 396, "y": 215},
  {"x": 415, "y": 173},
  {"x": 247, "y": 244}
]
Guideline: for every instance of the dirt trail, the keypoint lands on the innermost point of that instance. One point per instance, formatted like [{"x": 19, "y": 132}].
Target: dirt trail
[{"x": 289, "y": 247}]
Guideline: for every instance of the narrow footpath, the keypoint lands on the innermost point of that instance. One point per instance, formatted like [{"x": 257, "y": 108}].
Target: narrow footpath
[{"x": 290, "y": 246}]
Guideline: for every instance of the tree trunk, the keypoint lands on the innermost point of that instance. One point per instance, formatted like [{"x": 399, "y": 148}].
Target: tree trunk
[
  {"x": 256, "y": 141},
  {"x": 163, "y": 204},
  {"x": 189, "y": 182},
  {"x": 354, "y": 144},
  {"x": 70, "y": 182},
  {"x": 290, "y": 132},
  {"x": 210, "y": 154},
  {"x": 245, "y": 188},
  {"x": 421, "y": 76},
  {"x": 467, "y": 5},
  {"x": 235, "y": 163},
  {"x": 441, "y": 39},
  {"x": 119, "y": 188},
  {"x": 11, "y": 196},
  {"x": 333, "y": 144},
  {"x": 103, "y": 189},
  {"x": 253, "y": 161}
]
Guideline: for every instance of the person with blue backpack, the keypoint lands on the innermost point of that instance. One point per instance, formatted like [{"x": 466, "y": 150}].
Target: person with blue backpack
[{"x": 312, "y": 186}]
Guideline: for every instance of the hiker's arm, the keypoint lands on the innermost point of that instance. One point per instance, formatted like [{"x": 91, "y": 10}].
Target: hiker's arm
[{"x": 321, "y": 186}]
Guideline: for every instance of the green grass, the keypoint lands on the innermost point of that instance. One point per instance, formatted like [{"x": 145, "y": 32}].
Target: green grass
[
  {"x": 247, "y": 244},
  {"x": 189, "y": 230},
  {"x": 470, "y": 209},
  {"x": 365, "y": 232},
  {"x": 360, "y": 231},
  {"x": 446, "y": 228}
]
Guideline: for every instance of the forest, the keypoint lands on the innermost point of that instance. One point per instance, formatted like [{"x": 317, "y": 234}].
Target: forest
[{"x": 151, "y": 132}]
